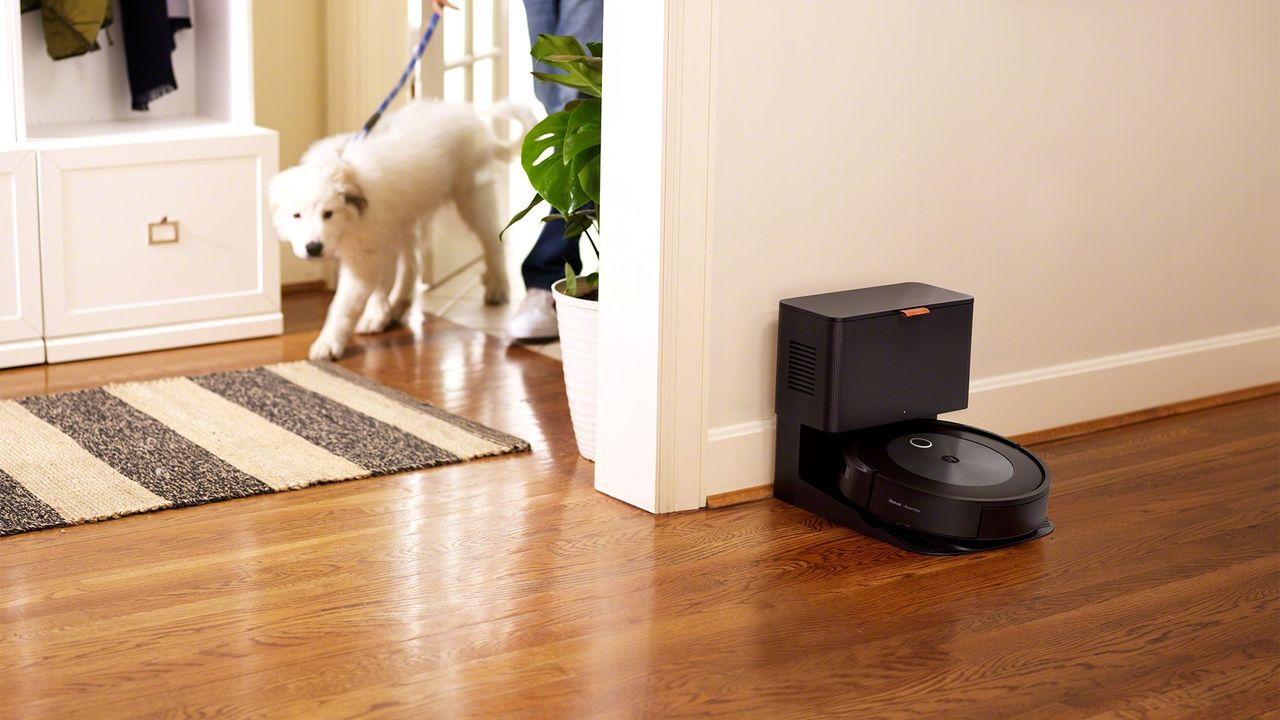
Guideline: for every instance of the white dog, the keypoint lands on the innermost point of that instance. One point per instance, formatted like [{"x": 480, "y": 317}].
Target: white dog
[{"x": 364, "y": 202}]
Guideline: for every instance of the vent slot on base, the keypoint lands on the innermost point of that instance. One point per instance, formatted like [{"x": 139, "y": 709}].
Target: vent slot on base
[{"x": 802, "y": 368}]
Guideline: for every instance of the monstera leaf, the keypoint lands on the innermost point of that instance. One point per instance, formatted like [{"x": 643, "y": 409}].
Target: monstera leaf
[
  {"x": 561, "y": 153},
  {"x": 582, "y": 147},
  {"x": 583, "y": 131},
  {"x": 535, "y": 202},
  {"x": 543, "y": 159},
  {"x": 564, "y": 52},
  {"x": 589, "y": 178}
]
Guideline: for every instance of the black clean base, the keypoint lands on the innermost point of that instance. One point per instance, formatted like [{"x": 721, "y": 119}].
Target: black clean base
[{"x": 804, "y": 462}]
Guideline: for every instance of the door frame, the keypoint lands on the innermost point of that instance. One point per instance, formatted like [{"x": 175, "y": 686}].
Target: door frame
[
  {"x": 651, "y": 439},
  {"x": 362, "y": 66},
  {"x": 452, "y": 250}
]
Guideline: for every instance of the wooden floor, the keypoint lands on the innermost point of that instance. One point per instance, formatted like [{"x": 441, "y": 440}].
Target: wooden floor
[{"x": 509, "y": 587}]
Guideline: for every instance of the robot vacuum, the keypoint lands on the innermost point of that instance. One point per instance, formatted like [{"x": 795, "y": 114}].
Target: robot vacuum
[{"x": 947, "y": 480}]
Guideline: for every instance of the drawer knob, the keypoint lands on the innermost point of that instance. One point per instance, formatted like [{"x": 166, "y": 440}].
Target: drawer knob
[
  {"x": 912, "y": 312},
  {"x": 163, "y": 232}
]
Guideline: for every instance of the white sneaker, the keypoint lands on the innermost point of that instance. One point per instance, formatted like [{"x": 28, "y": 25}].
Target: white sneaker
[{"x": 536, "y": 318}]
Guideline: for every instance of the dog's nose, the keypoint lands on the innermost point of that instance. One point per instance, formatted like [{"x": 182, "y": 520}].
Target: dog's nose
[{"x": 314, "y": 248}]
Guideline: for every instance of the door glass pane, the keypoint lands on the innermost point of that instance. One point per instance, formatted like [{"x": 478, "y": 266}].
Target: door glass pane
[
  {"x": 454, "y": 24},
  {"x": 455, "y": 85},
  {"x": 415, "y": 15},
  {"x": 484, "y": 82},
  {"x": 482, "y": 34}
]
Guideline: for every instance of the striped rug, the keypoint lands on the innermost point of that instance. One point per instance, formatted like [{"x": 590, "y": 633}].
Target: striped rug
[{"x": 122, "y": 449}]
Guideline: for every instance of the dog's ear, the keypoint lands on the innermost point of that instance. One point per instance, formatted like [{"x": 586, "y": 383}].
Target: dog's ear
[
  {"x": 350, "y": 190},
  {"x": 356, "y": 200}
]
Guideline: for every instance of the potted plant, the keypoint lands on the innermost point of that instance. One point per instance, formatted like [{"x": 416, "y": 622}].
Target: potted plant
[{"x": 561, "y": 157}]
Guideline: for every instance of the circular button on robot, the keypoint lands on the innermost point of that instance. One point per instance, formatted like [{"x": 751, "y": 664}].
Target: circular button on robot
[{"x": 946, "y": 479}]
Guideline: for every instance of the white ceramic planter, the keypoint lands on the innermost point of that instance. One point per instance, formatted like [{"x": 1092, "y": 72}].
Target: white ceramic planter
[{"x": 577, "y": 320}]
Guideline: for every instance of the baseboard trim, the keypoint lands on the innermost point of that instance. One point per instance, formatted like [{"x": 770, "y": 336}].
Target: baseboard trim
[
  {"x": 1067, "y": 399},
  {"x": 94, "y": 345},
  {"x": 22, "y": 352},
  {"x": 1140, "y": 416},
  {"x": 737, "y": 497},
  {"x": 307, "y": 286},
  {"x": 759, "y": 492}
]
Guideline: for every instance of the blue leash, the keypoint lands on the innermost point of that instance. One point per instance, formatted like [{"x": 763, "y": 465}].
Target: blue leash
[{"x": 404, "y": 77}]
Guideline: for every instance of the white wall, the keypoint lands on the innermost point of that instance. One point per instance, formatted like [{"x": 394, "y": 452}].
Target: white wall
[
  {"x": 289, "y": 91},
  {"x": 1103, "y": 177}
]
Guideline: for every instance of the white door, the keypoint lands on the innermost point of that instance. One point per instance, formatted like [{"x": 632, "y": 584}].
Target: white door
[
  {"x": 466, "y": 62},
  {"x": 21, "y": 325},
  {"x": 472, "y": 60}
]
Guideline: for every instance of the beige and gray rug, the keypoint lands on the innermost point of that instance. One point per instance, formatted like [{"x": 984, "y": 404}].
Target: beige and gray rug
[{"x": 122, "y": 449}]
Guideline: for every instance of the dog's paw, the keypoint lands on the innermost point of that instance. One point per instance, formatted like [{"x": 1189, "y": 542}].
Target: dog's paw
[
  {"x": 497, "y": 291},
  {"x": 399, "y": 308},
  {"x": 373, "y": 322},
  {"x": 326, "y": 349}
]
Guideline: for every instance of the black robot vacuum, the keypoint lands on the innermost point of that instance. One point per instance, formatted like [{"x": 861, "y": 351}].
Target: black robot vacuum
[
  {"x": 862, "y": 375},
  {"x": 946, "y": 479}
]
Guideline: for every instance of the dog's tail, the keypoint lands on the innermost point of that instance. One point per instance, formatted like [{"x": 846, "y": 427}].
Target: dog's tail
[{"x": 521, "y": 115}]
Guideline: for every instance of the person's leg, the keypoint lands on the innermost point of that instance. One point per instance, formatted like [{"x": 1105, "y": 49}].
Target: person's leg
[
  {"x": 545, "y": 263},
  {"x": 543, "y": 18},
  {"x": 542, "y": 268},
  {"x": 583, "y": 19}
]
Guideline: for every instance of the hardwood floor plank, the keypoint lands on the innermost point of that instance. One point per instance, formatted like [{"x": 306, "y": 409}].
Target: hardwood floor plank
[{"x": 1237, "y": 682}]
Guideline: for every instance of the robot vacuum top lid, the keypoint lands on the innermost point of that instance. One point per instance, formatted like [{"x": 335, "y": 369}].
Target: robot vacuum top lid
[{"x": 950, "y": 460}]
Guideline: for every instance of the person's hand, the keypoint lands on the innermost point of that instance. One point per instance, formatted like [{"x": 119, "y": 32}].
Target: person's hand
[{"x": 440, "y": 5}]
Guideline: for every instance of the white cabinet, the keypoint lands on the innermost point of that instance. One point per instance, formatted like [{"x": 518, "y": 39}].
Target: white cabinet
[
  {"x": 20, "y": 317},
  {"x": 123, "y": 231},
  {"x": 151, "y": 244}
]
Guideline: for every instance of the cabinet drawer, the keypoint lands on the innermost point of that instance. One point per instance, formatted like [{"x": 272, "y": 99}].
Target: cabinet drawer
[
  {"x": 20, "y": 316},
  {"x": 156, "y": 233}
]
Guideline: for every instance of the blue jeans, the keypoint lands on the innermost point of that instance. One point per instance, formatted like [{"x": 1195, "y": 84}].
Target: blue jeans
[{"x": 583, "y": 19}]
